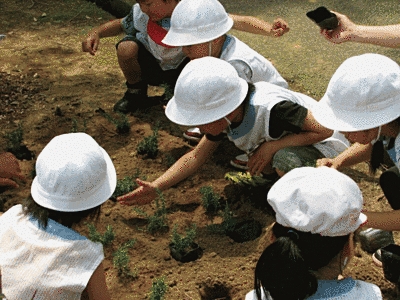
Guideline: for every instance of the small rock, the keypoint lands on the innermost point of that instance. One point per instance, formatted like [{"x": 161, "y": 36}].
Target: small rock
[
  {"x": 36, "y": 75},
  {"x": 231, "y": 278},
  {"x": 167, "y": 258},
  {"x": 172, "y": 283},
  {"x": 213, "y": 254},
  {"x": 14, "y": 103}
]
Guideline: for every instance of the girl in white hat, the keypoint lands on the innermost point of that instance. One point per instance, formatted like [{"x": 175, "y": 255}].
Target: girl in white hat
[
  {"x": 363, "y": 102},
  {"x": 270, "y": 123},
  {"x": 312, "y": 239},
  {"x": 41, "y": 257}
]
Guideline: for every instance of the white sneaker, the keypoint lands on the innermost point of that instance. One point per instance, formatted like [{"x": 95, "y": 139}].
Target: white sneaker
[
  {"x": 240, "y": 162},
  {"x": 193, "y": 134}
]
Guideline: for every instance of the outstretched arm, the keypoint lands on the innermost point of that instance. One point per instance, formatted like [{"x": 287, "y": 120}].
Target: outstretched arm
[
  {"x": 353, "y": 155},
  {"x": 347, "y": 31},
  {"x": 254, "y": 25},
  {"x": 183, "y": 168},
  {"x": 388, "y": 220},
  {"x": 111, "y": 28}
]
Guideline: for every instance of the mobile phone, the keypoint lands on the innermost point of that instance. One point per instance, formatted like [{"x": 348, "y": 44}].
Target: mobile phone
[{"x": 324, "y": 18}]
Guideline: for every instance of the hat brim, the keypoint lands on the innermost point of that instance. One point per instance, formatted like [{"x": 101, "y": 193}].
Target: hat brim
[
  {"x": 189, "y": 117},
  {"x": 350, "y": 121},
  {"x": 98, "y": 197},
  {"x": 176, "y": 37}
]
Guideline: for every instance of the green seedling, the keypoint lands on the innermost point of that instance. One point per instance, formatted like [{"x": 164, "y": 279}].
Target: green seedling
[
  {"x": 14, "y": 139},
  {"x": 168, "y": 91},
  {"x": 121, "y": 260},
  {"x": 210, "y": 200},
  {"x": 121, "y": 124},
  {"x": 149, "y": 145},
  {"x": 158, "y": 221},
  {"x": 75, "y": 127},
  {"x": 244, "y": 178},
  {"x": 158, "y": 289},
  {"x": 183, "y": 243},
  {"x": 228, "y": 222},
  {"x": 106, "y": 238}
]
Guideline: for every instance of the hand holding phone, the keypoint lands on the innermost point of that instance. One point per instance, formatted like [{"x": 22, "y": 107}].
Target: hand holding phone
[{"x": 324, "y": 18}]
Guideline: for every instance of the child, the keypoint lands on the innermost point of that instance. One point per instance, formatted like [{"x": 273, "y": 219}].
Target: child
[
  {"x": 41, "y": 257},
  {"x": 317, "y": 212},
  {"x": 363, "y": 101},
  {"x": 270, "y": 123},
  {"x": 142, "y": 56},
  {"x": 200, "y": 28}
]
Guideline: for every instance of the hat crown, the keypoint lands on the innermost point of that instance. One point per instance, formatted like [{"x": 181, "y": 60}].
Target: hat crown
[
  {"x": 206, "y": 84},
  {"x": 194, "y": 22},
  {"x": 73, "y": 173},
  {"x": 317, "y": 200}
]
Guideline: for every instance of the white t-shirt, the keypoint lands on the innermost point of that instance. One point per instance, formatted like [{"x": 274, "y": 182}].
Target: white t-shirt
[
  {"x": 346, "y": 289},
  {"x": 250, "y": 65},
  {"x": 135, "y": 24},
  {"x": 56, "y": 263},
  {"x": 397, "y": 149},
  {"x": 254, "y": 129}
]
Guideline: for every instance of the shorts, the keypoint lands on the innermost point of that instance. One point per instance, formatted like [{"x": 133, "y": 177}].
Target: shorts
[
  {"x": 152, "y": 73},
  {"x": 390, "y": 184},
  {"x": 290, "y": 158}
]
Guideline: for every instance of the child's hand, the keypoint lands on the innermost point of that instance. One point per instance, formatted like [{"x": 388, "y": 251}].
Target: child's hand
[
  {"x": 91, "y": 43},
  {"x": 342, "y": 33},
  {"x": 142, "y": 195},
  {"x": 9, "y": 170},
  {"x": 280, "y": 27}
]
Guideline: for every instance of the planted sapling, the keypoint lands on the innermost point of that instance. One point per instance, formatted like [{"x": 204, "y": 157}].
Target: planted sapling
[
  {"x": 121, "y": 260},
  {"x": 149, "y": 145},
  {"x": 121, "y": 123},
  {"x": 106, "y": 238},
  {"x": 183, "y": 243},
  {"x": 158, "y": 289},
  {"x": 210, "y": 200},
  {"x": 126, "y": 185}
]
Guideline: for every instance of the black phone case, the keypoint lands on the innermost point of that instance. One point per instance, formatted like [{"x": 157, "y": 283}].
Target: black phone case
[{"x": 324, "y": 18}]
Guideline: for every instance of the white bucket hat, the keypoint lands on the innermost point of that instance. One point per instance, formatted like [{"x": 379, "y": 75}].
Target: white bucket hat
[
  {"x": 363, "y": 93},
  {"x": 73, "y": 173},
  {"x": 195, "y": 22},
  {"x": 317, "y": 200},
  {"x": 207, "y": 90}
]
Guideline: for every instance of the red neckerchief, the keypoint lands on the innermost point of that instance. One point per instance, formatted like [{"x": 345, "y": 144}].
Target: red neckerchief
[{"x": 157, "y": 33}]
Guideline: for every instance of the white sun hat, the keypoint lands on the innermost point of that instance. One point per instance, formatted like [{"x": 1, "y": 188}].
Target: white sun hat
[
  {"x": 197, "y": 21},
  {"x": 317, "y": 200},
  {"x": 207, "y": 90},
  {"x": 363, "y": 93},
  {"x": 73, "y": 173}
]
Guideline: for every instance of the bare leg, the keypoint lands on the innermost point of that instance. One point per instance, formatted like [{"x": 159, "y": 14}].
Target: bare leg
[{"x": 127, "y": 54}]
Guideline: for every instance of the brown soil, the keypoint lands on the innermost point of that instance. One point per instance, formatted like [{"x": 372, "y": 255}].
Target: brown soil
[{"x": 50, "y": 87}]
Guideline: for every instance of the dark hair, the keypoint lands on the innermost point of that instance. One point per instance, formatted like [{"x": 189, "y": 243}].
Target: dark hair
[
  {"x": 284, "y": 269},
  {"x": 43, "y": 214},
  {"x": 378, "y": 151}
]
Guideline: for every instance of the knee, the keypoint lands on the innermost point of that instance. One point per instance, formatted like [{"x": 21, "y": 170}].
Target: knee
[{"x": 127, "y": 50}]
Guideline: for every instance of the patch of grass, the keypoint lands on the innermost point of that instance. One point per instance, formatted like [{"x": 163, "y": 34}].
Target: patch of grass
[
  {"x": 106, "y": 238},
  {"x": 149, "y": 145},
  {"x": 158, "y": 221},
  {"x": 158, "y": 289},
  {"x": 14, "y": 139},
  {"x": 182, "y": 243},
  {"x": 121, "y": 123},
  {"x": 209, "y": 199},
  {"x": 121, "y": 260}
]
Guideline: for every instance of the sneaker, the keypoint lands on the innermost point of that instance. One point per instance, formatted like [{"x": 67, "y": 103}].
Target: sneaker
[
  {"x": 193, "y": 134},
  {"x": 129, "y": 102},
  {"x": 240, "y": 162},
  {"x": 377, "y": 258}
]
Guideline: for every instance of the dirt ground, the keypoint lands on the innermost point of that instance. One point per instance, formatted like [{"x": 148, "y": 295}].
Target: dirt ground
[{"x": 49, "y": 87}]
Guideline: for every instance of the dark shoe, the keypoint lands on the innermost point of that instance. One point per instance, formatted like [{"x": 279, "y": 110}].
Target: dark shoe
[
  {"x": 373, "y": 239},
  {"x": 129, "y": 102}
]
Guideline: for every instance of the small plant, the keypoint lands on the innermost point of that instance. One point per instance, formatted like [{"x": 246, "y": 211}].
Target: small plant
[
  {"x": 168, "y": 91},
  {"x": 121, "y": 124},
  {"x": 227, "y": 224},
  {"x": 106, "y": 238},
  {"x": 121, "y": 260},
  {"x": 126, "y": 185},
  {"x": 149, "y": 145},
  {"x": 75, "y": 127},
  {"x": 244, "y": 178},
  {"x": 210, "y": 200},
  {"x": 14, "y": 139},
  {"x": 158, "y": 289},
  {"x": 182, "y": 243},
  {"x": 158, "y": 221},
  {"x": 169, "y": 160}
]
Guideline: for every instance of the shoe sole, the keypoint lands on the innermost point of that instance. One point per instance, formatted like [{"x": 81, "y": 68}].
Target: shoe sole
[
  {"x": 239, "y": 166},
  {"x": 376, "y": 261}
]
